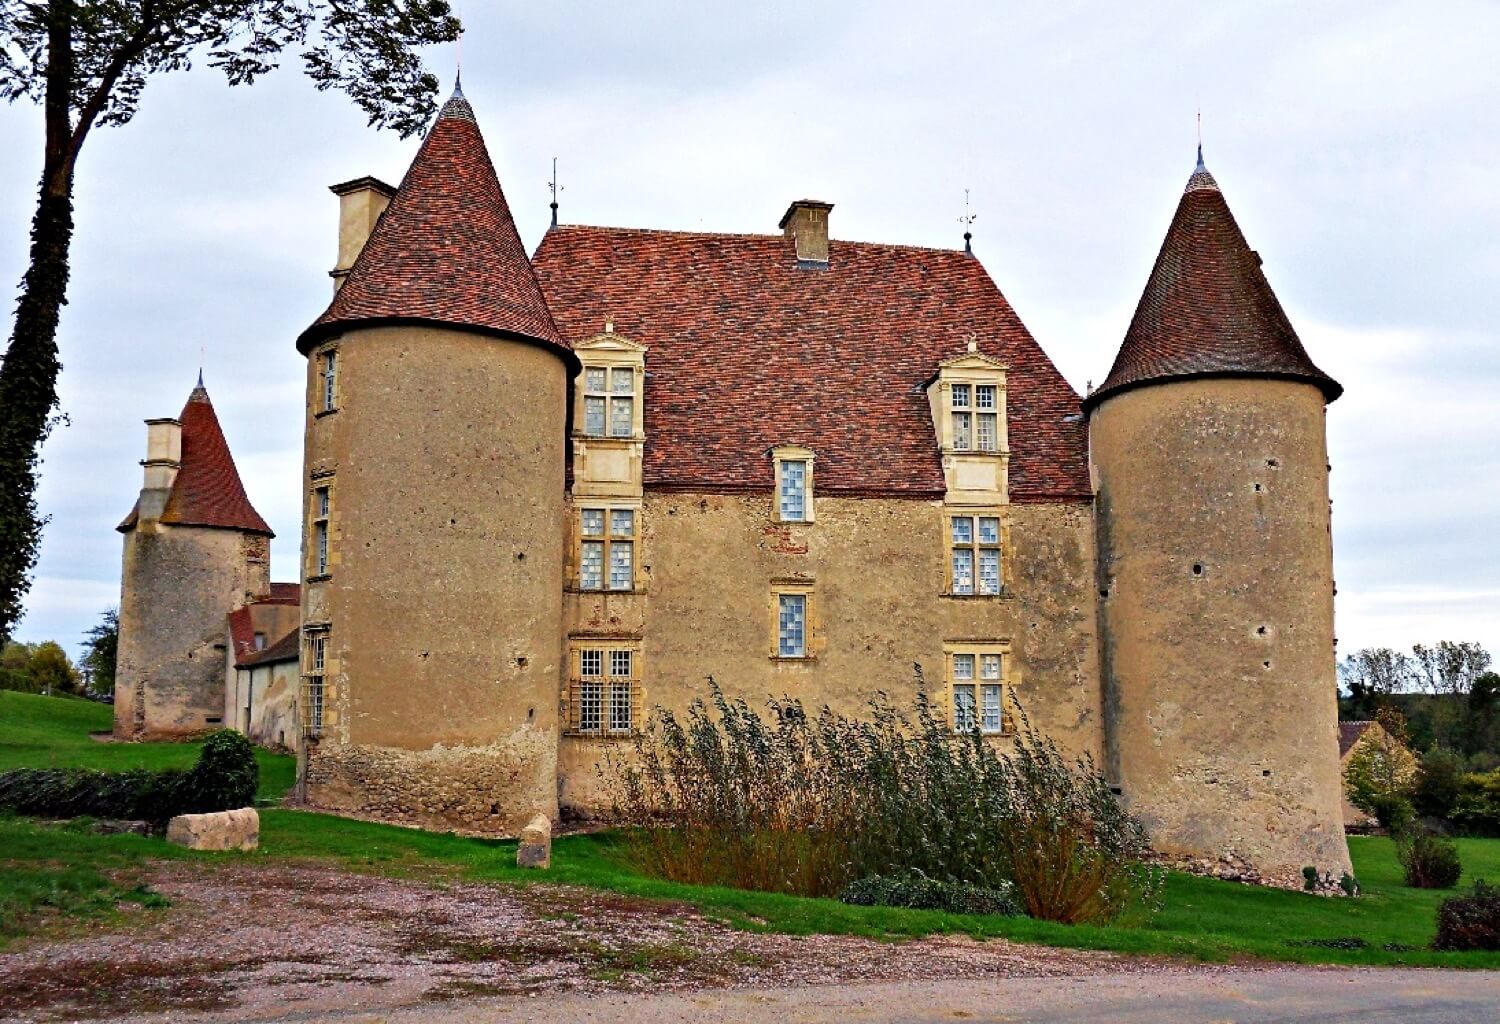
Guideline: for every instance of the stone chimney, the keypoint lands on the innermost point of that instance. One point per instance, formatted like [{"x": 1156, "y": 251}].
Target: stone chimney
[
  {"x": 361, "y": 202},
  {"x": 163, "y": 460},
  {"x": 806, "y": 221}
]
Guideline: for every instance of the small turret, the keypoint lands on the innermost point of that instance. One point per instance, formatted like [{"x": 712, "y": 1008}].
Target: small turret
[
  {"x": 195, "y": 550},
  {"x": 1211, "y": 467}
]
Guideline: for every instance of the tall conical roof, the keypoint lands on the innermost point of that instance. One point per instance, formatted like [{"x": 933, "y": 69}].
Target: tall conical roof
[
  {"x": 1208, "y": 310},
  {"x": 207, "y": 490},
  {"x": 446, "y": 250}
]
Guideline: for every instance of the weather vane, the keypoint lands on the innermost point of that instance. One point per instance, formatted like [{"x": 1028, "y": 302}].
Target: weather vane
[
  {"x": 554, "y": 188},
  {"x": 967, "y": 220}
]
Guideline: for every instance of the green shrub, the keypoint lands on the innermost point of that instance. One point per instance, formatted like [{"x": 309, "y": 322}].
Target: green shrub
[
  {"x": 1476, "y": 811},
  {"x": 922, "y": 893},
  {"x": 1429, "y": 861},
  {"x": 225, "y": 777},
  {"x": 1438, "y": 780},
  {"x": 1393, "y": 811},
  {"x": 799, "y": 804},
  {"x": 1470, "y": 921}
]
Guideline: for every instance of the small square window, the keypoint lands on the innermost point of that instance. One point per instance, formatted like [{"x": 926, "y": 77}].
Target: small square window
[
  {"x": 622, "y": 381},
  {"x": 960, "y": 396},
  {"x": 593, "y": 522},
  {"x": 622, "y": 523},
  {"x": 791, "y": 639},
  {"x": 984, "y": 396},
  {"x": 594, "y": 380}
]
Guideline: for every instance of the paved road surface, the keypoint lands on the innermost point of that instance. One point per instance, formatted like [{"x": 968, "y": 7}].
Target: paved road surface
[{"x": 1261, "y": 996}]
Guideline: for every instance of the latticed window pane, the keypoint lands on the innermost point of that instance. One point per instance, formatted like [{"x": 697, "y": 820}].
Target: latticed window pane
[
  {"x": 794, "y": 491},
  {"x": 590, "y": 663},
  {"x": 623, "y": 381},
  {"x": 621, "y": 561},
  {"x": 619, "y": 663},
  {"x": 315, "y": 702},
  {"x": 591, "y": 566},
  {"x": 791, "y": 640},
  {"x": 963, "y": 666},
  {"x": 590, "y": 704},
  {"x": 594, "y": 380},
  {"x": 988, "y": 437},
  {"x": 984, "y": 396},
  {"x": 989, "y": 530},
  {"x": 592, "y": 520},
  {"x": 622, "y": 522},
  {"x": 620, "y": 417},
  {"x": 963, "y": 570},
  {"x": 989, "y": 571},
  {"x": 989, "y": 666},
  {"x": 319, "y": 645},
  {"x": 990, "y": 708},
  {"x": 320, "y": 546},
  {"x": 330, "y": 369},
  {"x": 322, "y": 502},
  {"x": 619, "y": 706},
  {"x": 963, "y": 530},
  {"x": 961, "y": 438},
  {"x": 963, "y": 708},
  {"x": 593, "y": 417},
  {"x": 960, "y": 396}
]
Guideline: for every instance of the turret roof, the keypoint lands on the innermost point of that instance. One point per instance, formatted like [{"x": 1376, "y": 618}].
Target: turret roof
[
  {"x": 446, "y": 250},
  {"x": 1208, "y": 310},
  {"x": 207, "y": 490}
]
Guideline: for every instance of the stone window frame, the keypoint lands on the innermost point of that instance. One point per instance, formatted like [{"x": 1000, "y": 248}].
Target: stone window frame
[
  {"x": 610, "y": 352},
  {"x": 320, "y": 529},
  {"x": 966, "y": 375},
  {"x": 781, "y": 455},
  {"x": 609, "y": 540},
  {"x": 812, "y": 624},
  {"x": 327, "y": 393},
  {"x": 1004, "y": 684},
  {"x": 313, "y": 704},
  {"x": 575, "y": 698},
  {"x": 1001, "y": 546}
]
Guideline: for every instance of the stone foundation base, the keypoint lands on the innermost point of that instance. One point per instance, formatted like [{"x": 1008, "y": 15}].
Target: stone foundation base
[{"x": 1230, "y": 868}]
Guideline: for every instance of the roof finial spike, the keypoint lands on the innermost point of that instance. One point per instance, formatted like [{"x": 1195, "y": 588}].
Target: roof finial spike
[
  {"x": 967, "y": 220},
  {"x": 200, "y": 378},
  {"x": 1200, "y": 166},
  {"x": 555, "y": 189},
  {"x": 458, "y": 66}
]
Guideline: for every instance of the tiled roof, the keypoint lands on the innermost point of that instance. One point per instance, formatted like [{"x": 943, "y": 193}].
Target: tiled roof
[
  {"x": 1350, "y": 733},
  {"x": 207, "y": 490},
  {"x": 446, "y": 249},
  {"x": 285, "y": 593},
  {"x": 1208, "y": 310},
  {"x": 747, "y": 351},
  {"x": 285, "y": 649}
]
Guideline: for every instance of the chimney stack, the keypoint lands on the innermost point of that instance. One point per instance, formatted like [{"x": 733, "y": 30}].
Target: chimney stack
[
  {"x": 361, "y": 202},
  {"x": 163, "y": 460},
  {"x": 806, "y": 221}
]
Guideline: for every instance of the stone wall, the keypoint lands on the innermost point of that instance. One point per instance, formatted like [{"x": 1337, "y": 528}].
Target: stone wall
[
  {"x": 1218, "y": 656},
  {"x": 264, "y": 704},
  {"x": 443, "y": 599},
  {"x": 178, "y": 584},
  {"x": 877, "y": 568}
]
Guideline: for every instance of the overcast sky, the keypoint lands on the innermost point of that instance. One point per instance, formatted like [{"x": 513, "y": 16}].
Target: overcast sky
[{"x": 1358, "y": 145}]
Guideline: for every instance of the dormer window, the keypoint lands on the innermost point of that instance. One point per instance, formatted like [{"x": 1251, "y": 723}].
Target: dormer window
[
  {"x": 794, "y": 484},
  {"x": 609, "y": 401},
  {"x": 976, "y": 417}
]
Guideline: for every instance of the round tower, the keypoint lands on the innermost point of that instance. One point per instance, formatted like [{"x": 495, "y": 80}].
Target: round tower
[
  {"x": 435, "y": 526},
  {"x": 195, "y": 550},
  {"x": 1216, "y": 561}
]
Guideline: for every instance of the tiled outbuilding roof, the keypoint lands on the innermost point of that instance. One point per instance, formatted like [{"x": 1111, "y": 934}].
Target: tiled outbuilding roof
[
  {"x": 747, "y": 351},
  {"x": 446, "y": 250},
  {"x": 1208, "y": 310},
  {"x": 285, "y": 593},
  {"x": 207, "y": 490},
  {"x": 1350, "y": 734},
  {"x": 285, "y": 649}
]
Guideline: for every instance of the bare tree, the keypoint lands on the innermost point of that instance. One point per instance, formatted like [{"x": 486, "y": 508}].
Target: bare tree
[
  {"x": 1449, "y": 668},
  {"x": 1374, "y": 673}
]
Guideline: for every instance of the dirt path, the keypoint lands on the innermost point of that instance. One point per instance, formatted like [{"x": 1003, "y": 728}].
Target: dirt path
[{"x": 259, "y": 942}]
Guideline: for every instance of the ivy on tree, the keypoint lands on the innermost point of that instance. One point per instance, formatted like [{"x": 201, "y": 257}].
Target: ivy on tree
[{"x": 86, "y": 62}]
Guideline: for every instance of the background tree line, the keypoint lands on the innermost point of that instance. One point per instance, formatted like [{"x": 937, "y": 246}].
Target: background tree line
[{"x": 46, "y": 668}]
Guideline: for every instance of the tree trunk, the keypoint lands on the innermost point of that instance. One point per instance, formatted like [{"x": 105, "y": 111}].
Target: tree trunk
[{"x": 28, "y": 375}]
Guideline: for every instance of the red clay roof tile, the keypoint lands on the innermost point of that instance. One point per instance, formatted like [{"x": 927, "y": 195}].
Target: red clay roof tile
[
  {"x": 288, "y": 648},
  {"x": 1208, "y": 310},
  {"x": 445, "y": 250},
  {"x": 747, "y": 351}
]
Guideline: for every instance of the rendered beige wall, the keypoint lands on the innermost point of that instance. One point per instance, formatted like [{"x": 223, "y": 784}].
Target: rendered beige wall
[
  {"x": 177, "y": 585},
  {"x": 1219, "y": 685},
  {"x": 444, "y": 599},
  {"x": 264, "y": 699},
  {"x": 707, "y": 563}
]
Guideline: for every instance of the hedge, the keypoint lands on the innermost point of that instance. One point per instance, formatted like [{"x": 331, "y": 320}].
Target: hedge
[
  {"x": 225, "y": 777},
  {"x": 922, "y": 893}
]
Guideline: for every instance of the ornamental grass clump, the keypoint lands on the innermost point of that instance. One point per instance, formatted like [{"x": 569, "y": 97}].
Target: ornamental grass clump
[{"x": 807, "y": 804}]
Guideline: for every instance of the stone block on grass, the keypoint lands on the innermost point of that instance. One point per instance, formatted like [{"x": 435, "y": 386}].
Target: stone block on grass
[
  {"x": 222, "y": 830},
  {"x": 535, "y": 850}
]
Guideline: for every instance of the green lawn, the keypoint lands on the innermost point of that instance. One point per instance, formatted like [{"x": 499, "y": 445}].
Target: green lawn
[
  {"x": 53, "y": 732},
  {"x": 47, "y": 867}
]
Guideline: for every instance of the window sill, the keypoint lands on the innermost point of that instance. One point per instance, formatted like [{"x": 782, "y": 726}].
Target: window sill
[
  {"x": 1003, "y": 595},
  {"x": 607, "y": 736},
  {"x": 322, "y": 578},
  {"x": 324, "y": 412},
  {"x": 795, "y": 659},
  {"x": 573, "y": 588}
]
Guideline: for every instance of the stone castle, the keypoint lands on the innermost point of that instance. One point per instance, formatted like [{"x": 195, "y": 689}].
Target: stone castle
[{"x": 547, "y": 494}]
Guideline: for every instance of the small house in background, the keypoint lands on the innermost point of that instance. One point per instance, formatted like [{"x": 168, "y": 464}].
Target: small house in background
[{"x": 1353, "y": 735}]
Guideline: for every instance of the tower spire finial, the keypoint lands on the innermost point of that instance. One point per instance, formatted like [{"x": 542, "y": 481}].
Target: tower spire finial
[
  {"x": 555, "y": 188},
  {"x": 1200, "y": 166},
  {"x": 458, "y": 66},
  {"x": 967, "y": 220}
]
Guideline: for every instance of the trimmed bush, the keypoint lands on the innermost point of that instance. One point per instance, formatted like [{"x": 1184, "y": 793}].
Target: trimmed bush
[
  {"x": 225, "y": 777},
  {"x": 1430, "y": 861},
  {"x": 1470, "y": 921},
  {"x": 919, "y": 892}
]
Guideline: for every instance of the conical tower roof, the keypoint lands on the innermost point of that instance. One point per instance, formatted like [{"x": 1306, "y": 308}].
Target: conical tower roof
[
  {"x": 207, "y": 490},
  {"x": 1208, "y": 310},
  {"x": 446, "y": 250}
]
